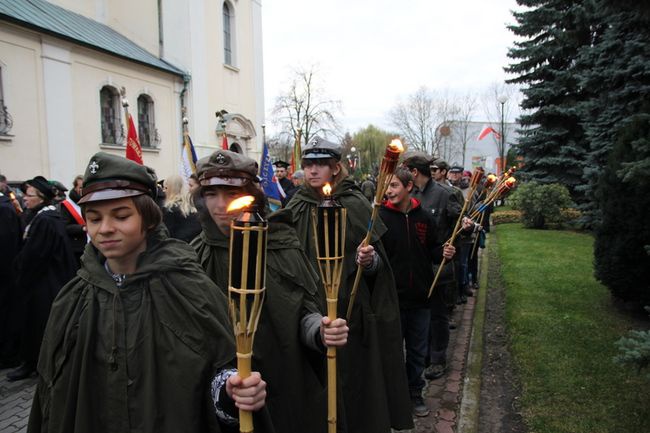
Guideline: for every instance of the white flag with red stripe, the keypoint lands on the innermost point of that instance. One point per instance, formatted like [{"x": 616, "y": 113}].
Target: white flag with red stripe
[{"x": 488, "y": 130}]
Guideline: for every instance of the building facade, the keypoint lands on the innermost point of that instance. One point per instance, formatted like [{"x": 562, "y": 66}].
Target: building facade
[
  {"x": 460, "y": 144},
  {"x": 66, "y": 67}
]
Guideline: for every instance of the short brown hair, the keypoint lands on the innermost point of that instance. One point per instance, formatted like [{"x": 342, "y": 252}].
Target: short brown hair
[
  {"x": 149, "y": 211},
  {"x": 420, "y": 163},
  {"x": 74, "y": 181},
  {"x": 403, "y": 175}
]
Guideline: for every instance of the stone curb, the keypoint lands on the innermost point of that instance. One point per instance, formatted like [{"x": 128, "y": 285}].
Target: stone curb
[{"x": 469, "y": 405}]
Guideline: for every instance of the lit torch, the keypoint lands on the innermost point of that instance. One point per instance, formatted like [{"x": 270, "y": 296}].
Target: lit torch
[
  {"x": 476, "y": 178},
  {"x": 328, "y": 223},
  {"x": 499, "y": 191},
  {"x": 490, "y": 180},
  {"x": 14, "y": 202},
  {"x": 508, "y": 184},
  {"x": 246, "y": 285},
  {"x": 386, "y": 170}
]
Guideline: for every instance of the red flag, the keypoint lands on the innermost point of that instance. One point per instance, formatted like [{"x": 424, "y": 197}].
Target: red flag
[
  {"x": 224, "y": 143},
  {"x": 487, "y": 130},
  {"x": 133, "y": 149}
]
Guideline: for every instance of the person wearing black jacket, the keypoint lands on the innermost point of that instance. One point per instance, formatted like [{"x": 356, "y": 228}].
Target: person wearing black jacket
[
  {"x": 10, "y": 241},
  {"x": 439, "y": 200},
  {"x": 412, "y": 246},
  {"x": 45, "y": 263}
]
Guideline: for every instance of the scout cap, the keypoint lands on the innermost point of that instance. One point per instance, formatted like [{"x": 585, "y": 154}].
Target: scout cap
[
  {"x": 281, "y": 164},
  {"x": 224, "y": 167},
  {"x": 109, "y": 177},
  {"x": 43, "y": 186},
  {"x": 440, "y": 163},
  {"x": 319, "y": 148},
  {"x": 58, "y": 185}
]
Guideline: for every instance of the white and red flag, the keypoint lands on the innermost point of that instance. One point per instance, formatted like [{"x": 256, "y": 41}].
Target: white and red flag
[{"x": 488, "y": 130}]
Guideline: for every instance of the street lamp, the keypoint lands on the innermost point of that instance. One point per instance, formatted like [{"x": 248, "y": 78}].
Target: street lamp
[
  {"x": 501, "y": 147},
  {"x": 358, "y": 155}
]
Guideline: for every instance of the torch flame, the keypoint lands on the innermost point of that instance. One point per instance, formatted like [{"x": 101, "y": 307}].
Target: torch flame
[
  {"x": 396, "y": 145},
  {"x": 327, "y": 189},
  {"x": 490, "y": 180},
  {"x": 240, "y": 203}
]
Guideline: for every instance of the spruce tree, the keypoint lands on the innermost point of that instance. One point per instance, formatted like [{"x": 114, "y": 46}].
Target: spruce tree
[
  {"x": 621, "y": 261},
  {"x": 616, "y": 68},
  {"x": 617, "y": 122},
  {"x": 552, "y": 139}
]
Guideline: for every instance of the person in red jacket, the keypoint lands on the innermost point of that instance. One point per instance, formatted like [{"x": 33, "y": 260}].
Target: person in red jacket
[{"x": 412, "y": 247}]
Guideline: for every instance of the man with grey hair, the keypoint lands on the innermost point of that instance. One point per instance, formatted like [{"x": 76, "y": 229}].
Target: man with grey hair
[{"x": 297, "y": 179}]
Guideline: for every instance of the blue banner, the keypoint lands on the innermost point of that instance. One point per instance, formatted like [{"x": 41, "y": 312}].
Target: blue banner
[{"x": 268, "y": 180}]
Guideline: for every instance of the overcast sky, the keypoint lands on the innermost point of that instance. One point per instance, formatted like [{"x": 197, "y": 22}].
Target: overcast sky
[{"x": 369, "y": 53}]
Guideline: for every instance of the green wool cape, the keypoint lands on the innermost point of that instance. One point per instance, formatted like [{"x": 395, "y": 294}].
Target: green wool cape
[
  {"x": 371, "y": 365},
  {"x": 296, "y": 394},
  {"x": 139, "y": 358}
]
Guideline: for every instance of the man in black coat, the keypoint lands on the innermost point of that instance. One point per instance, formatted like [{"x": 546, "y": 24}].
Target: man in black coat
[
  {"x": 10, "y": 233},
  {"x": 44, "y": 264},
  {"x": 286, "y": 184}
]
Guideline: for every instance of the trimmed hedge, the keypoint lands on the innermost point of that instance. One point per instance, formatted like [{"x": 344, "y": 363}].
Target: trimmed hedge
[
  {"x": 515, "y": 216},
  {"x": 506, "y": 216}
]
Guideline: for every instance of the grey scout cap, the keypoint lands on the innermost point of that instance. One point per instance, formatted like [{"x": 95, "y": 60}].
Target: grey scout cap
[{"x": 319, "y": 148}]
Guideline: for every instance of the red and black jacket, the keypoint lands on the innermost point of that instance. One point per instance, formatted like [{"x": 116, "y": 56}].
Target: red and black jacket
[{"x": 412, "y": 248}]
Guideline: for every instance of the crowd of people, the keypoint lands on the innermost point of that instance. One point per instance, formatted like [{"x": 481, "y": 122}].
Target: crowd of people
[{"x": 121, "y": 285}]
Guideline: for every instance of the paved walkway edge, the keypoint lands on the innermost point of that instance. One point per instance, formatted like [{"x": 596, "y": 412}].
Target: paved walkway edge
[{"x": 469, "y": 405}]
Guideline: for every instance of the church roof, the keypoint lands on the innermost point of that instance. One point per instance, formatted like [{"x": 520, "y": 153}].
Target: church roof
[{"x": 54, "y": 20}]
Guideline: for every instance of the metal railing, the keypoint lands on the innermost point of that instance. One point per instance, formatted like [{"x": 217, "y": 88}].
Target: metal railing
[{"x": 6, "y": 121}]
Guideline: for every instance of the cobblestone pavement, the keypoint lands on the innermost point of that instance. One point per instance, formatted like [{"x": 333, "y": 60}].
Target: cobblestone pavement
[
  {"x": 442, "y": 395},
  {"x": 15, "y": 403}
]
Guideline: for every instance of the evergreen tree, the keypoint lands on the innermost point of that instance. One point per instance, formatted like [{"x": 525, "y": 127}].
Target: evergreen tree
[
  {"x": 552, "y": 139},
  {"x": 621, "y": 261},
  {"x": 616, "y": 68}
]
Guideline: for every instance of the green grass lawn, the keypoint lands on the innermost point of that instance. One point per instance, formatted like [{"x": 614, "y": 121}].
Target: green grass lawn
[{"x": 562, "y": 329}]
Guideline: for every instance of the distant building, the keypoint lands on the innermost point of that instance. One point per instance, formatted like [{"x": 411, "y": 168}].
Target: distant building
[
  {"x": 63, "y": 64},
  {"x": 483, "y": 152}
]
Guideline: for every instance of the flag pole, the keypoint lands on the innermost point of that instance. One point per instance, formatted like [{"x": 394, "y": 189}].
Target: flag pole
[
  {"x": 131, "y": 142},
  {"x": 186, "y": 143},
  {"x": 297, "y": 151},
  {"x": 125, "y": 105}
]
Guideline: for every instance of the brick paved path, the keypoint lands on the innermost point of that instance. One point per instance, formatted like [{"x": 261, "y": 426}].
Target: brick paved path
[
  {"x": 15, "y": 403},
  {"x": 442, "y": 395}
]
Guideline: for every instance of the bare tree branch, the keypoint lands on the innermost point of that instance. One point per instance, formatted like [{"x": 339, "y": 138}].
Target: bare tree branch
[
  {"x": 304, "y": 106},
  {"x": 419, "y": 118}
]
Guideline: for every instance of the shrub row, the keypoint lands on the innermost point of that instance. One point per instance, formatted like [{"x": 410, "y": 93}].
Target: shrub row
[{"x": 515, "y": 216}]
